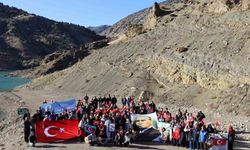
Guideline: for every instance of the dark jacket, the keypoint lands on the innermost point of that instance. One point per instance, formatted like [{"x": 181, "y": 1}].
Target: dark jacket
[
  {"x": 231, "y": 137},
  {"x": 148, "y": 135}
]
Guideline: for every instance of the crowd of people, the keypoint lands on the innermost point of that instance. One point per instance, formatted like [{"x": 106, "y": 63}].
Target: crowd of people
[{"x": 187, "y": 130}]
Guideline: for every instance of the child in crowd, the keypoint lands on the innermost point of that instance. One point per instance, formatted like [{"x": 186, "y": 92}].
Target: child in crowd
[{"x": 126, "y": 139}]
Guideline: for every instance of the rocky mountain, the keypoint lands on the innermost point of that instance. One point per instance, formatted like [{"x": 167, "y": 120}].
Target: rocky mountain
[
  {"x": 186, "y": 53},
  {"x": 26, "y": 38},
  {"x": 99, "y": 29},
  {"x": 124, "y": 24}
]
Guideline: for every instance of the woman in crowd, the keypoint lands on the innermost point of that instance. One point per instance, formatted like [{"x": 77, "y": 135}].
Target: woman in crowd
[
  {"x": 203, "y": 138},
  {"x": 231, "y": 137}
]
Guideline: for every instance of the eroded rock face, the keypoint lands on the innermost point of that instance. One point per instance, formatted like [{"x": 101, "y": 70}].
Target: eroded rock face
[
  {"x": 134, "y": 30},
  {"x": 59, "y": 60},
  {"x": 95, "y": 45},
  {"x": 151, "y": 20},
  {"x": 156, "y": 10}
]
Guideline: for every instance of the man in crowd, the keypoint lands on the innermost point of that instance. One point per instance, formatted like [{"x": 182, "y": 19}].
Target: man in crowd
[{"x": 27, "y": 125}]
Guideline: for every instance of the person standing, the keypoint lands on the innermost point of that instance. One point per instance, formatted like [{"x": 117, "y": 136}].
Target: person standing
[
  {"x": 27, "y": 125},
  {"x": 203, "y": 138},
  {"x": 231, "y": 137},
  {"x": 81, "y": 129}
]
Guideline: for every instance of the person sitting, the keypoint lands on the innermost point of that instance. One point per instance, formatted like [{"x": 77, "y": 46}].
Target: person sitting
[
  {"x": 91, "y": 139},
  {"x": 118, "y": 139},
  {"x": 126, "y": 139},
  {"x": 102, "y": 139}
]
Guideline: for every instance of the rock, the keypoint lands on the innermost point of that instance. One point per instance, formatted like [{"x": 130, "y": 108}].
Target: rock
[
  {"x": 95, "y": 45},
  {"x": 151, "y": 20},
  {"x": 156, "y": 10},
  {"x": 59, "y": 60},
  {"x": 135, "y": 30},
  {"x": 181, "y": 49}
]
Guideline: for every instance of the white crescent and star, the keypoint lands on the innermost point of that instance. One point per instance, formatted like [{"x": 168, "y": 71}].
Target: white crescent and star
[
  {"x": 46, "y": 131},
  {"x": 219, "y": 142}
]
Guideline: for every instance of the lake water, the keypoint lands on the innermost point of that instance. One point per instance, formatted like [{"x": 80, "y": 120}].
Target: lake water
[{"x": 8, "y": 83}]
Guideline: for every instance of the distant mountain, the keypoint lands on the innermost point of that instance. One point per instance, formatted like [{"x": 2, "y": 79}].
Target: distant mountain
[
  {"x": 124, "y": 24},
  {"x": 99, "y": 29},
  {"x": 24, "y": 37}
]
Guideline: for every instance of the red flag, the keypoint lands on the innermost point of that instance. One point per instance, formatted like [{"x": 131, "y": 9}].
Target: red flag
[
  {"x": 176, "y": 133},
  {"x": 219, "y": 142},
  {"x": 53, "y": 131}
]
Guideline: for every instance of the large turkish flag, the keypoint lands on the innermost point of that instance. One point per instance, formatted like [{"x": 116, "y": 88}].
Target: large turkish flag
[{"x": 54, "y": 131}]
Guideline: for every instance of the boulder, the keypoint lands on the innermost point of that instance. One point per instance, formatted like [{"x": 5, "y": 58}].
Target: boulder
[
  {"x": 181, "y": 49},
  {"x": 95, "y": 45}
]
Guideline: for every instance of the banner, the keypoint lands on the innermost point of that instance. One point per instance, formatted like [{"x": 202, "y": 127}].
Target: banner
[
  {"x": 54, "y": 131},
  {"x": 146, "y": 127},
  {"x": 89, "y": 128},
  {"x": 168, "y": 131},
  {"x": 59, "y": 107},
  {"x": 218, "y": 142},
  {"x": 111, "y": 127}
]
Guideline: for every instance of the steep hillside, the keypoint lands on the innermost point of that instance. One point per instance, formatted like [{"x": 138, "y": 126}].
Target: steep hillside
[
  {"x": 192, "y": 56},
  {"x": 24, "y": 37},
  {"x": 99, "y": 29},
  {"x": 124, "y": 24}
]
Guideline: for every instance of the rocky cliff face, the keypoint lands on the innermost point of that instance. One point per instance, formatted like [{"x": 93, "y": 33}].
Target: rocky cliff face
[
  {"x": 25, "y": 36},
  {"x": 192, "y": 56}
]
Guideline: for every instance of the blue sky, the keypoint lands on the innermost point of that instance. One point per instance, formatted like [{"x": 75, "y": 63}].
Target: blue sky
[{"x": 82, "y": 12}]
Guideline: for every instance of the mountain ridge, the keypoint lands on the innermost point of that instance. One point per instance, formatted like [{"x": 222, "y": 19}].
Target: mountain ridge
[{"x": 25, "y": 37}]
